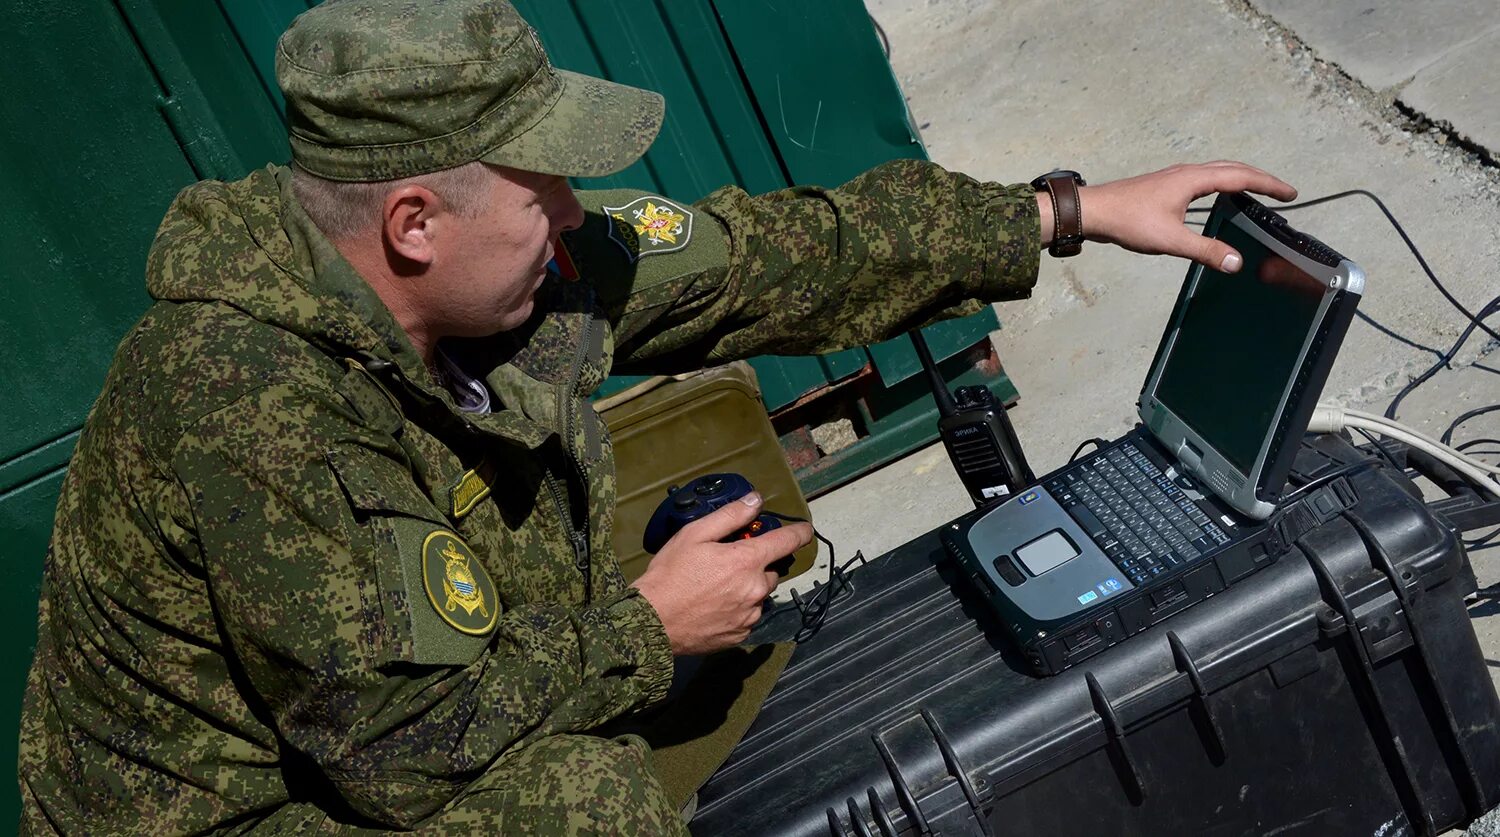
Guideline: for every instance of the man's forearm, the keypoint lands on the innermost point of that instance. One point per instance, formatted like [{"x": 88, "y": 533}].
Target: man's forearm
[
  {"x": 808, "y": 270},
  {"x": 1145, "y": 213}
]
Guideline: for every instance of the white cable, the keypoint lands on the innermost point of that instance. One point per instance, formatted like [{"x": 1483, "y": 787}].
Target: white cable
[
  {"x": 1329, "y": 419},
  {"x": 1326, "y": 419},
  {"x": 1401, "y": 434},
  {"x": 1455, "y": 461},
  {"x": 1424, "y": 441},
  {"x": 1382, "y": 421}
]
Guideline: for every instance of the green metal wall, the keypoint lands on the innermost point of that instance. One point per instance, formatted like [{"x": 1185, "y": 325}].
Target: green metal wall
[
  {"x": 109, "y": 108},
  {"x": 112, "y": 106}
]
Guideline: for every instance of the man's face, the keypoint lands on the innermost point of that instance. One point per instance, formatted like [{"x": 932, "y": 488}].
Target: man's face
[{"x": 492, "y": 264}]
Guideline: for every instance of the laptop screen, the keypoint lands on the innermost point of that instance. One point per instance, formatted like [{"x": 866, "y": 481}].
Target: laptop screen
[{"x": 1239, "y": 344}]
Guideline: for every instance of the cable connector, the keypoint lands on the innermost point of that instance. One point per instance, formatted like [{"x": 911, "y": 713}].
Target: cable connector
[{"x": 1326, "y": 419}]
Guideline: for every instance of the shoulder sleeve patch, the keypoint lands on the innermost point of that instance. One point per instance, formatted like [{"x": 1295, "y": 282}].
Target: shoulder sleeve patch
[
  {"x": 610, "y": 251},
  {"x": 437, "y": 602},
  {"x": 650, "y": 225},
  {"x": 445, "y": 596},
  {"x": 457, "y": 586}
]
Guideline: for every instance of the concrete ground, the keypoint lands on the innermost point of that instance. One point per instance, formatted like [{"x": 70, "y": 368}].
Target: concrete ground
[{"x": 1400, "y": 99}]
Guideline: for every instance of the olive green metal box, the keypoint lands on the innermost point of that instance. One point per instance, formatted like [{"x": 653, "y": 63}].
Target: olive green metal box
[{"x": 678, "y": 429}]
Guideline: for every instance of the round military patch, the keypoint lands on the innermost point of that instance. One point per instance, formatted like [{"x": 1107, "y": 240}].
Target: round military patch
[{"x": 457, "y": 586}]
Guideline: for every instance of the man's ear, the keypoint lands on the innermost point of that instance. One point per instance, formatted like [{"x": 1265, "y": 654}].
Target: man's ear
[{"x": 407, "y": 219}]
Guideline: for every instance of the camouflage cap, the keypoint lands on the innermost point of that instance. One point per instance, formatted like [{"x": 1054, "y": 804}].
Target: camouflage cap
[{"x": 383, "y": 89}]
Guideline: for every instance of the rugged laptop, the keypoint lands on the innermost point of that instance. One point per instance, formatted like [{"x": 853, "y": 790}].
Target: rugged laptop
[{"x": 1171, "y": 513}]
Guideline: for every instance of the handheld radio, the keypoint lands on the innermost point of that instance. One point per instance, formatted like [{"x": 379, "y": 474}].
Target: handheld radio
[{"x": 979, "y": 437}]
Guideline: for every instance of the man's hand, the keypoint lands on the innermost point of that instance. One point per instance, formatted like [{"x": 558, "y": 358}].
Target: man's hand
[
  {"x": 1145, "y": 213},
  {"x": 709, "y": 594}
]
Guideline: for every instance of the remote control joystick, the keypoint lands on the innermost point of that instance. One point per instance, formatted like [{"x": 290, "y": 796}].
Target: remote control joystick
[{"x": 698, "y": 498}]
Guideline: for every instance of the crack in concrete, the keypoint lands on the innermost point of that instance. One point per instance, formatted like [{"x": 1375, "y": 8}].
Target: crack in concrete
[{"x": 1399, "y": 115}]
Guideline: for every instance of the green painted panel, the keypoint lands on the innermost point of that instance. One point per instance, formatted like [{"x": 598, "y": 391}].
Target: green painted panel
[
  {"x": 205, "y": 65},
  {"x": 785, "y": 379},
  {"x": 25, "y": 526},
  {"x": 711, "y": 136},
  {"x": 44, "y": 459},
  {"x": 825, "y": 90},
  {"x": 833, "y": 109},
  {"x": 87, "y": 166},
  {"x": 110, "y": 109},
  {"x": 257, "y": 24},
  {"x": 840, "y": 365}
]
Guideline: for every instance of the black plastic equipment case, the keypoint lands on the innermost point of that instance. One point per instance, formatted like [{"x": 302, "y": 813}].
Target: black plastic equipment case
[{"x": 1260, "y": 711}]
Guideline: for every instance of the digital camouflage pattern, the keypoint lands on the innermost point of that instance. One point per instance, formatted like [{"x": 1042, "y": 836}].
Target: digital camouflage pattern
[
  {"x": 383, "y": 89},
  {"x": 234, "y": 629}
]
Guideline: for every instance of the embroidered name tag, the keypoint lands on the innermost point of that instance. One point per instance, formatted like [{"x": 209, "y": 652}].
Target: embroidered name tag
[{"x": 472, "y": 488}]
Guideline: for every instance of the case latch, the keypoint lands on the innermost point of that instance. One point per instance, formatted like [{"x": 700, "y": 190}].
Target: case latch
[
  {"x": 1289, "y": 524},
  {"x": 1383, "y": 627}
]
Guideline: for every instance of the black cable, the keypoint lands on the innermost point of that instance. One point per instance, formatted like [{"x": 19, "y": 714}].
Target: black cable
[
  {"x": 1447, "y": 437},
  {"x": 1391, "y": 333},
  {"x": 1379, "y": 446},
  {"x": 1468, "y": 447},
  {"x": 1401, "y": 231},
  {"x": 1486, "y": 542},
  {"x": 1445, "y": 361},
  {"x": 1313, "y": 485},
  {"x": 814, "y": 609},
  {"x": 1096, "y": 442}
]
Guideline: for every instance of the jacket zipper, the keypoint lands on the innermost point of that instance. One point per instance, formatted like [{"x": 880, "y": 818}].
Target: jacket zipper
[
  {"x": 578, "y": 539},
  {"x": 575, "y": 521}
]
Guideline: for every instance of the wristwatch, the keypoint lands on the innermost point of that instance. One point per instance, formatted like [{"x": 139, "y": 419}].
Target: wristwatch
[{"x": 1067, "y": 211}]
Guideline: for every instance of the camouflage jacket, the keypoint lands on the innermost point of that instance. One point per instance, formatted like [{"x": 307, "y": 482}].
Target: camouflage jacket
[{"x": 285, "y": 566}]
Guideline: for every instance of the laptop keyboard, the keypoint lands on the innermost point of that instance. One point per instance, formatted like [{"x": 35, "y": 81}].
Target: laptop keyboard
[{"x": 1136, "y": 514}]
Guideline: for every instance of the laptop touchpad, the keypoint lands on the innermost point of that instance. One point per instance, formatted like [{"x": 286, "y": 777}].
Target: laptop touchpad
[{"x": 1047, "y": 552}]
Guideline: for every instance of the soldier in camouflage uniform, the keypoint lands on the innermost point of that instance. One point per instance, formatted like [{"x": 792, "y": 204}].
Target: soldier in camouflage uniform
[{"x": 313, "y": 570}]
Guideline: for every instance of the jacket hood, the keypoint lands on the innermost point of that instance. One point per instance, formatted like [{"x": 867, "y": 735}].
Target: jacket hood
[{"x": 249, "y": 245}]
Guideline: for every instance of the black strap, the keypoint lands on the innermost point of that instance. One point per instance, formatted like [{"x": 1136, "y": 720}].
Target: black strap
[{"x": 1289, "y": 524}]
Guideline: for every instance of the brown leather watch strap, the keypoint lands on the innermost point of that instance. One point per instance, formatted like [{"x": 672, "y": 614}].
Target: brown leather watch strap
[{"x": 1067, "y": 211}]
